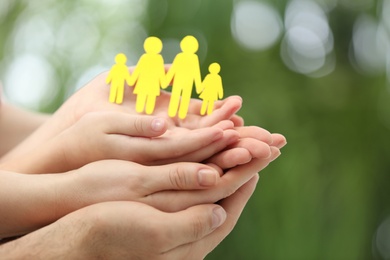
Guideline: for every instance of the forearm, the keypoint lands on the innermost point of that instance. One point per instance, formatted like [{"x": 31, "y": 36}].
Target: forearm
[
  {"x": 16, "y": 125},
  {"x": 47, "y": 157},
  {"x": 59, "y": 240},
  {"x": 49, "y": 128},
  {"x": 27, "y": 202}
]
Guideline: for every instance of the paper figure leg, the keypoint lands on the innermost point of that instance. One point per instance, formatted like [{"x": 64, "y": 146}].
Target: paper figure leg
[
  {"x": 210, "y": 107},
  {"x": 174, "y": 103},
  {"x": 140, "y": 103},
  {"x": 150, "y": 103},
  {"x": 204, "y": 107},
  {"x": 184, "y": 104},
  {"x": 119, "y": 96},
  {"x": 113, "y": 92}
]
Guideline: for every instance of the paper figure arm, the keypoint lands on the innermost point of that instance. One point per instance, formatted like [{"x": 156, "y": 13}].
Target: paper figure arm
[
  {"x": 110, "y": 75},
  {"x": 220, "y": 86},
  {"x": 197, "y": 77},
  {"x": 134, "y": 76},
  {"x": 170, "y": 74}
]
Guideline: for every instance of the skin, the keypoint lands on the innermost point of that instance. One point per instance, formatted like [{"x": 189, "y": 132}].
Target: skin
[
  {"x": 113, "y": 135},
  {"x": 13, "y": 130},
  {"x": 93, "y": 98},
  {"x": 100, "y": 190},
  {"x": 193, "y": 232},
  {"x": 43, "y": 199},
  {"x": 87, "y": 116}
]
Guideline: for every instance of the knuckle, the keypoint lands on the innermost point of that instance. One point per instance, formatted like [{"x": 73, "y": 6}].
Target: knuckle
[
  {"x": 138, "y": 125},
  {"x": 178, "y": 178}
]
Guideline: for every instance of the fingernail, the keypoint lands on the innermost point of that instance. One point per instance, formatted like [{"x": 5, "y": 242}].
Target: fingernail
[
  {"x": 207, "y": 177},
  {"x": 276, "y": 155},
  {"x": 158, "y": 124},
  {"x": 219, "y": 216}
]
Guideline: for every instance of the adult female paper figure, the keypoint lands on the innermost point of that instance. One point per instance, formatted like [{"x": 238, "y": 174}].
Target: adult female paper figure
[
  {"x": 148, "y": 76},
  {"x": 212, "y": 89},
  {"x": 184, "y": 72},
  {"x": 117, "y": 76}
]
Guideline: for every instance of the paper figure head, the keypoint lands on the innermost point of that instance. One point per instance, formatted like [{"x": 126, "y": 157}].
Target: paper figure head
[
  {"x": 153, "y": 45},
  {"x": 120, "y": 58},
  {"x": 189, "y": 44},
  {"x": 214, "y": 68}
]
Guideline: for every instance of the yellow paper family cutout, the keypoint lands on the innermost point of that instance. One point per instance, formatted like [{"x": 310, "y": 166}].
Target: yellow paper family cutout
[
  {"x": 212, "y": 89},
  {"x": 149, "y": 77},
  {"x": 118, "y": 75}
]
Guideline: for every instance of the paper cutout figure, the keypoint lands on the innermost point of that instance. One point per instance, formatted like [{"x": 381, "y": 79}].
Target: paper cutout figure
[
  {"x": 149, "y": 76},
  {"x": 212, "y": 89},
  {"x": 184, "y": 72},
  {"x": 117, "y": 76}
]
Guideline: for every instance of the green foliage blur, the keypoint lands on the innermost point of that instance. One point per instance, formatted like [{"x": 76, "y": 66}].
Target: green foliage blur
[{"x": 328, "y": 193}]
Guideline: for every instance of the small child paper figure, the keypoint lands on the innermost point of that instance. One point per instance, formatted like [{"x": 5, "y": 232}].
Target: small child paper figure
[
  {"x": 212, "y": 89},
  {"x": 184, "y": 72},
  {"x": 149, "y": 76},
  {"x": 117, "y": 76}
]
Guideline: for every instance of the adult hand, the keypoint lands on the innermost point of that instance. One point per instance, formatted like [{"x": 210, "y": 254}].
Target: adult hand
[
  {"x": 169, "y": 188},
  {"x": 131, "y": 230},
  {"x": 42, "y": 199}
]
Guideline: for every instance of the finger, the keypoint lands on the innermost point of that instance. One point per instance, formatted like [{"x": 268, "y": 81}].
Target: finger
[
  {"x": 237, "y": 120},
  {"x": 278, "y": 141},
  {"x": 172, "y": 146},
  {"x": 180, "y": 176},
  {"x": 233, "y": 205},
  {"x": 232, "y": 180},
  {"x": 223, "y": 110},
  {"x": 256, "y": 148},
  {"x": 134, "y": 125},
  {"x": 206, "y": 151},
  {"x": 255, "y": 132},
  {"x": 225, "y": 124},
  {"x": 231, "y": 158},
  {"x": 191, "y": 225},
  {"x": 238, "y": 176}
]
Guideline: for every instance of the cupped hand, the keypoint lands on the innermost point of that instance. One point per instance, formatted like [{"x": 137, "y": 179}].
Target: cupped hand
[
  {"x": 170, "y": 187},
  {"x": 93, "y": 97},
  {"x": 133, "y": 230},
  {"x": 127, "y": 230}
]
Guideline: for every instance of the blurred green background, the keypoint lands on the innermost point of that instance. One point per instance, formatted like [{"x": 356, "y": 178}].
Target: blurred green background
[{"x": 316, "y": 71}]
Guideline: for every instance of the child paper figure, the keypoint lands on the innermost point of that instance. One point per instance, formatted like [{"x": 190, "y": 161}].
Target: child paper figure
[
  {"x": 117, "y": 76},
  {"x": 184, "y": 72},
  {"x": 212, "y": 89},
  {"x": 149, "y": 76}
]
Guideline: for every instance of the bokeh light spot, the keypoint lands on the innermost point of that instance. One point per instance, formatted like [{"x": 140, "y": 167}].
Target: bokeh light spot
[
  {"x": 255, "y": 25},
  {"x": 382, "y": 239},
  {"x": 308, "y": 44},
  {"x": 369, "y": 45},
  {"x": 35, "y": 87}
]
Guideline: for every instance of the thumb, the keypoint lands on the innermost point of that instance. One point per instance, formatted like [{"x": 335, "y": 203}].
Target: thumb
[{"x": 195, "y": 223}]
